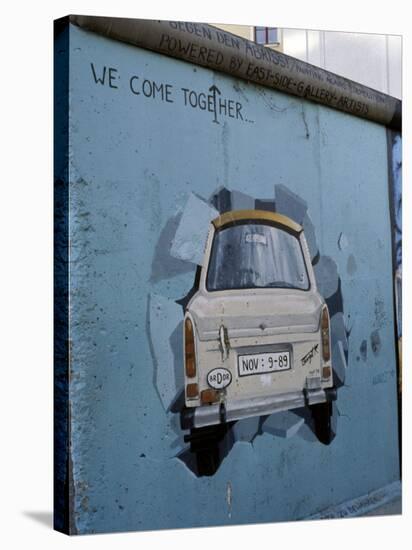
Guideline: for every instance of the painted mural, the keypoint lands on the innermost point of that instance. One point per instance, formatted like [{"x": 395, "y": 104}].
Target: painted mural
[
  {"x": 268, "y": 278},
  {"x": 226, "y": 252}
]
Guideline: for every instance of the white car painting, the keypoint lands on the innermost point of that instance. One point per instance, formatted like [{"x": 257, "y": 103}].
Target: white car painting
[{"x": 256, "y": 333}]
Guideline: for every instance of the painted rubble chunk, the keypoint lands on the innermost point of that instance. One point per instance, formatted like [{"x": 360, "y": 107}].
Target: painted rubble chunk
[
  {"x": 190, "y": 238},
  {"x": 310, "y": 235},
  {"x": 289, "y": 204},
  {"x": 247, "y": 429},
  {"x": 165, "y": 266},
  {"x": 339, "y": 363},
  {"x": 327, "y": 277},
  {"x": 265, "y": 204},
  {"x": 221, "y": 199},
  {"x": 338, "y": 329},
  {"x": 165, "y": 336},
  {"x": 241, "y": 201},
  {"x": 376, "y": 343},
  {"x": 284, "y": 424}
]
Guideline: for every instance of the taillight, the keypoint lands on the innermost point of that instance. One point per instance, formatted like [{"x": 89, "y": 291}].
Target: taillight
[
  {"x": 326, "y": 372},
  {"x": 190, "y": 358},
  {"x": 324, "y": 327},
  {"x": 209, "y": 396},
  {"x": 192, "y": 391}
]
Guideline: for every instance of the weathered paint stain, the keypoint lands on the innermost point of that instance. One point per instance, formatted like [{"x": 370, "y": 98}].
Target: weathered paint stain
[
  {"x": 364, "y": 350},
  {"x": 307, "y": 134},
  {"x": 383, "y": 377},
  {"x": 376, "y": 343},
  {"x": 380, "y": 313}
]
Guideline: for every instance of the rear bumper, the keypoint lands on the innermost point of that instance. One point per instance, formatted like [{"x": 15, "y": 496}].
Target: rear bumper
[{"x": 209, "y": 415}]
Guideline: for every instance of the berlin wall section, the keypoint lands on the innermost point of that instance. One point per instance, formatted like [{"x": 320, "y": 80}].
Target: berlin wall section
[{"x": 157, "y": 148}]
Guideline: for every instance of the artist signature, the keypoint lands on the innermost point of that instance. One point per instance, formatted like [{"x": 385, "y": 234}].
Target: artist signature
[{"x": 309, "y": 356}]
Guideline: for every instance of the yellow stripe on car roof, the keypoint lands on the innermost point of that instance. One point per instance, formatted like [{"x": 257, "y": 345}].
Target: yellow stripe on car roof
[{"x": 234, "y": 216}]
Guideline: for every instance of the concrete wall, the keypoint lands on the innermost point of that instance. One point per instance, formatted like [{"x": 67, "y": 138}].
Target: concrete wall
[
  {"x": 371, "y": 59},
  {"x": 134, "y": 162}
]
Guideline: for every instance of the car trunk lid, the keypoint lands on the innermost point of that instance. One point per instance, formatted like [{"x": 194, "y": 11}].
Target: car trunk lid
[{"x": 238, "y": 314}]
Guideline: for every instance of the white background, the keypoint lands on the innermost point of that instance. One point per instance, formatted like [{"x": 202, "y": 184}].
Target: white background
[{"x": 26, "y": 271}]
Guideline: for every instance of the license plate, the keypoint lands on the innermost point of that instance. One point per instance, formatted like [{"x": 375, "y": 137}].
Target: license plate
[{"x": 261, "y": 363}]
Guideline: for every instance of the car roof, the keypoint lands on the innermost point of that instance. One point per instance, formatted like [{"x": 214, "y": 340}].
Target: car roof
[{"x": 238, "y": 216}]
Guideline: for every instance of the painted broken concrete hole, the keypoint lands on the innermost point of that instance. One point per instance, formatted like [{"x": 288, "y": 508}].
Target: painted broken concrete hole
[{"x": 179, "y": 251}]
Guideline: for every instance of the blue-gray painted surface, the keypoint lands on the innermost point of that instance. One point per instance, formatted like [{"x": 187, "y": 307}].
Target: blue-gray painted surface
[
  {"x": 373, "y": 503},
  {"x": 134, "y": 161}
]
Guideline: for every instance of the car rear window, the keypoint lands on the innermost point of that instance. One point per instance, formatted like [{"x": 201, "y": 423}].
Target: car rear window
[{"x": 256, "y": 255}]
